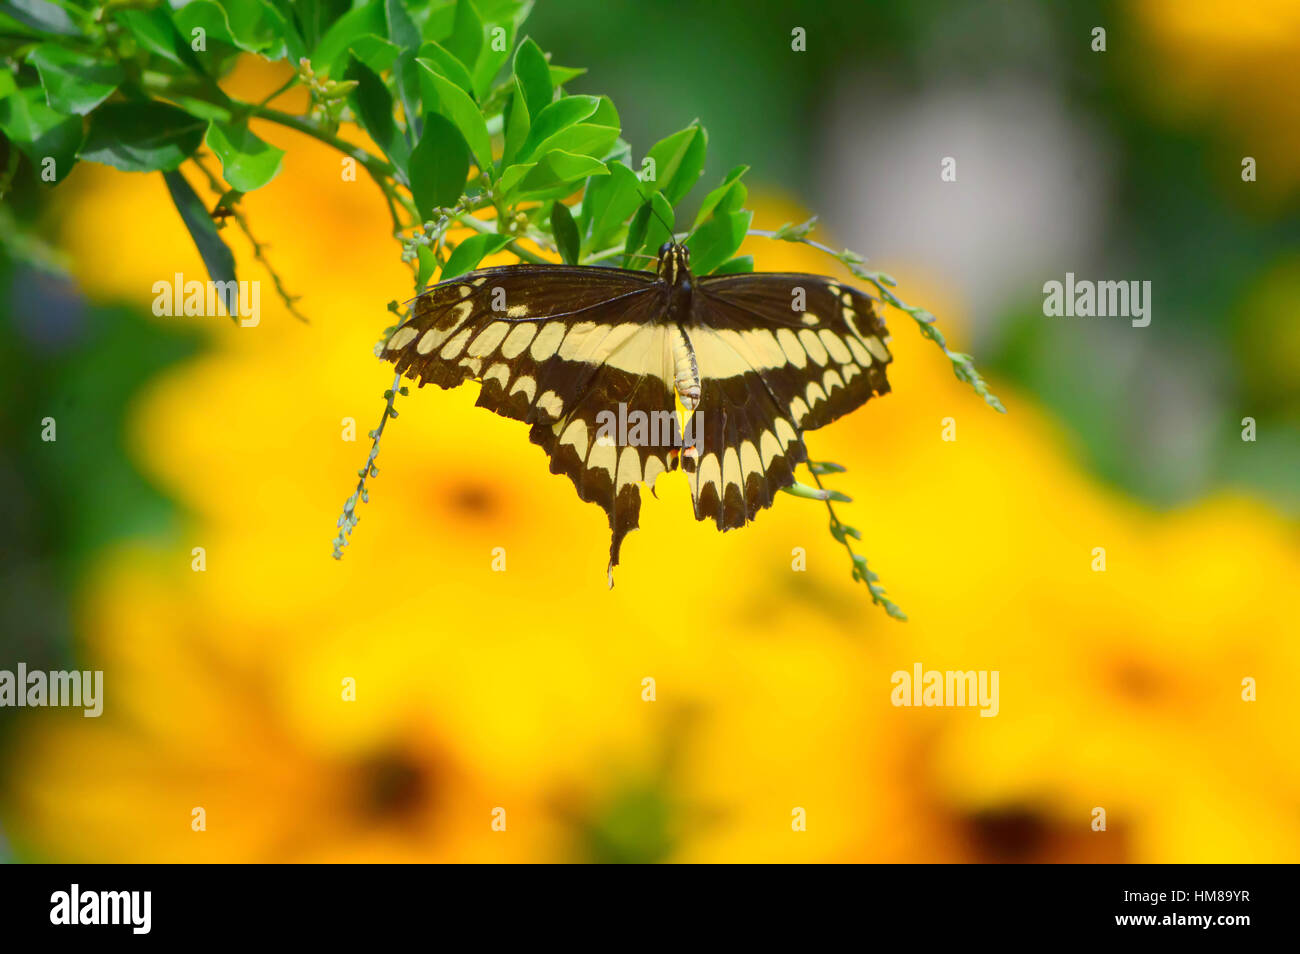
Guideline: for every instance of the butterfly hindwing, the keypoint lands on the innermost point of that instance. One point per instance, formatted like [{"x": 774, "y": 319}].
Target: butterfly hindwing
[
  {"x": 770, "y": 370},
  {"x": 563, "y": 350}
]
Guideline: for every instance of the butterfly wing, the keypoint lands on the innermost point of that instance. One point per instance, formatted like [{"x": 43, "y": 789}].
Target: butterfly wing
[
  {"x": 770, "y": 371},
  {"x": 561, "y": 349}
]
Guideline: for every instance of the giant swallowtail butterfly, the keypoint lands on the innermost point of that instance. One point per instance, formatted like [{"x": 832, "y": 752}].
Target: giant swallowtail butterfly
[{"x": 757, "y": 359}]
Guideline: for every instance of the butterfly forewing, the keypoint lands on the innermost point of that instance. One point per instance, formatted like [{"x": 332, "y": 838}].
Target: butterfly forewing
[{"x": 558, "y": 348}]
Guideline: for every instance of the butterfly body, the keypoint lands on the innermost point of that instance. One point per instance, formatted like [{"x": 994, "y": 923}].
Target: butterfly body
[{"x": 758, "y": 358}]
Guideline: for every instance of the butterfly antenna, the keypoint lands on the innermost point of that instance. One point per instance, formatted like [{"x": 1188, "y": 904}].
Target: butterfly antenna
[{"x": 672, "y": 234}]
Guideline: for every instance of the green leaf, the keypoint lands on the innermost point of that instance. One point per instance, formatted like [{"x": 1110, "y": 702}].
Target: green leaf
[
  {"x": 606, "y": 205},
  {"x": 312, "y": 17},
  {"x": 375, "y": 52},
  {"x": 247, "y": 162},
  {"x": 606, "y": 114},
  {"x": 409, "y": 82},
  {"x": 406, "y": 75},
  {"x": 373, "y": 105},
  {"x": 565, "y": 231},
  {"x": 491, "y": 60},
  {"x": 74, "y": 82},
  {"x": 533, "y": 76},
  {"x": 510, "y": 179},
  {"x": 470, "y": 252},
  {"x": 155, "y": 32},
  {"x": 401, "y": 28},
  {"x": 207, "y": 16},
  {"x": 40, "y": 15},
  {"x": 728, "y": 197},
  {"x": 636, "y": 231},
  {"x": 678, "y": 161},
  {"x": 647, "y": 233},
  {"x": 428, "y": 265},
  {"x": 40, "y": 133},
  {"x": 141, "y": 136},
  {"x": 259, "y": 28},
  {"x": 717, "y": 240},
  {"x": 454, "y": 103},
  {"x": 740, "y": 265},
  {"x": 466, "y": 39},
  {"x": 815, "y": 493},
  {"x": 214, "y": 251},
  {"x": 439, "y": 166},
  {"x": 563, "y": 74},
  {"x": 516, "y": 124},
  {"x": 555, "y": 117},
  {"x": 446, "y": 65},
  {"x": 556, "y": 175},
  {"x": 329, "y": 55}
]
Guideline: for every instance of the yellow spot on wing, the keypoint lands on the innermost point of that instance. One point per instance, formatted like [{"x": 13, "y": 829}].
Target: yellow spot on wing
[
  {"x": 518, "y": 340},
  {"x": 551, "y": 403},
  {"x": 731, "y": 473},
  {"x": 526, "y": 385},
  {"x": 629, "y": 467},
  {"x": 498, "y": 372},
  {"x": 431, "y": 339},
  {"x": 653, "y": 468},
  {"x": 708, "y": 473},
  {"x": 576, "y": 434},
  {"x": 454, "y": 346},
  {"x": 794, "y": 352},
  {"x": 834, "y": 345},
  {"x": 548, "y": 339},
  {"x": 401, "y": 338},
  {"x": 812, "y": 344},
  {"x": 603, "y": 457},
  {"x": 859, "y": 352},
  {"x": 487, "y": 340},
  {"x": 798, "y": 410}
]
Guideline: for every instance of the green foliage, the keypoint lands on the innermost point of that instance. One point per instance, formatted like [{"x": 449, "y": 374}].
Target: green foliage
[{"x": 475, "y": 131}]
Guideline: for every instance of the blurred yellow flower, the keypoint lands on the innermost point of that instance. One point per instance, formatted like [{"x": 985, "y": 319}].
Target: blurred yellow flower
[{"x": 1233, "y": 71}]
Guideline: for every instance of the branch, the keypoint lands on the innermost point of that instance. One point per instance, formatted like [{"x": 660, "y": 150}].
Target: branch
[{"x": 259, "y": 249}]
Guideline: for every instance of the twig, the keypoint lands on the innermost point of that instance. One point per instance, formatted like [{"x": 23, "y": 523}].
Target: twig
[
  {"x": 259, "y": 250},
  {"x": 841, "y": 532},
  {"x": 349, "y": 519}
]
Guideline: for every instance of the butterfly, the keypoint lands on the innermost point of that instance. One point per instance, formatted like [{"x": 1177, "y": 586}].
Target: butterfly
[{"x": 577, "y": 352}]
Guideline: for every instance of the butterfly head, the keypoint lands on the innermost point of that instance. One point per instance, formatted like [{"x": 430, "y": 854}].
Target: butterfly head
[{"x": 674, "y": 263}]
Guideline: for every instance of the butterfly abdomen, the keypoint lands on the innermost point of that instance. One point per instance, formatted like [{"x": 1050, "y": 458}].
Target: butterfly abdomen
[{"x": 686, "y": 370}]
